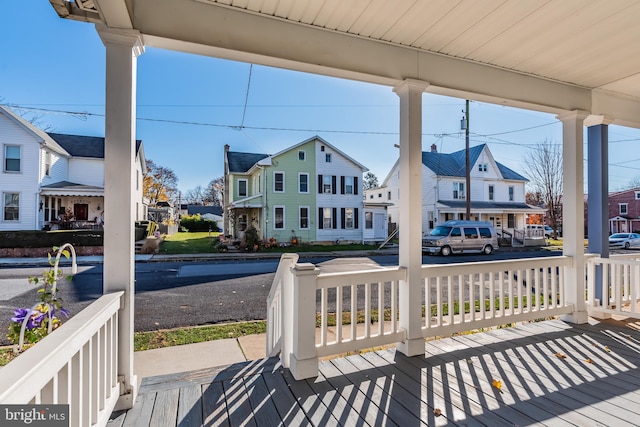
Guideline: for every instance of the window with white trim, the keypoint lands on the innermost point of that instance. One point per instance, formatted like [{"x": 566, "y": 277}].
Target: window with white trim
[
  {"x": 278, "y": 216},
  {"x": 242, "y": 188},
  {"x": 458, "y": 190},
  {"x": 624, "y": 208},
  {"x": 637, "y": 195},
  {"x": 348, "y": 185},
  {"x": 491, "y": 192},
  {"x": 302, "y": 155},
  {"x": 327, "y": 184},
  {"x": 482, "y": 167},
  {"x": 47, "y": 163},
  {"x": 368, "y": 220},
  {"x": 304, "y": 217},
  {"x": 303, "y": 182},
  {"x": 278, "y": 182},
  {"x": 327, "y": 157},
  {"x": 327, "y": 218},
  {"x": 11, "y": 207},
  {"x": 511, "y": 191},
  {"x": 12, "y": 161},
  {"x": 348, "y": 218}
]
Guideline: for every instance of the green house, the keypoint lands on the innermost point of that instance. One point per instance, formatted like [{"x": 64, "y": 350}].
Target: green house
[{"x": 310, "y": 192}]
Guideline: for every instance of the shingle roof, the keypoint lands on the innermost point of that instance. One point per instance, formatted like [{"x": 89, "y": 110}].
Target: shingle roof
[
  {"x": 83, "y": 146},
  {"x": 242, "y": 162},
  {"x": 195, "y": 209},
  {"x": 71, "y": 185},
  {"x": 454, "y": 164}
]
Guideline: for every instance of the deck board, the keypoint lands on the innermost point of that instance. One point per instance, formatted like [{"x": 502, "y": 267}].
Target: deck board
[{"x": 455, "y": 374}]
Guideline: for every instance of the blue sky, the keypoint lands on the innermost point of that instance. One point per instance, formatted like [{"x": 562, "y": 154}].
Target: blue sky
[{"x": 190, "y": 106}]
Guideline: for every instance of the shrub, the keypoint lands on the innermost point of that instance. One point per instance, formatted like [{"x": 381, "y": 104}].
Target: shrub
[
  {"x": 44, "y": 239},
  {"x": 195, "y": 223},
  {"x": 251, "y": 239}
]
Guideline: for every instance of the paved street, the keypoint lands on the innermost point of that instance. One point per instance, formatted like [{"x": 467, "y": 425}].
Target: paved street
[{"x": 171, "y": 294}]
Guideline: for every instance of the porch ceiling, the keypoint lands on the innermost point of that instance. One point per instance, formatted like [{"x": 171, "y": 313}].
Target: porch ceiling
[{"x": 552, "y": 55}]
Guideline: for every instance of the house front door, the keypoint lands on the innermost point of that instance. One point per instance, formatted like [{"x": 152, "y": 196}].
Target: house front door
[
  {"x": 378, "y": 226},
  {"x": 81, "y": 211}
]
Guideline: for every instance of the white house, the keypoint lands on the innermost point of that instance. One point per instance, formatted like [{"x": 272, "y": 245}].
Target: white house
[
  {"x": 497, "y": 192},
  {"x": 51, "y": 180}
]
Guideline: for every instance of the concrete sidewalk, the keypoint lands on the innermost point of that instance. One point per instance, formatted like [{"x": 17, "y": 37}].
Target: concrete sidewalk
[{"x": 190, "y": 357}]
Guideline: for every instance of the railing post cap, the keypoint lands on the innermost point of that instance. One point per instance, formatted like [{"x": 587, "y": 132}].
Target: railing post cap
[{"x": 306, "y": 267}]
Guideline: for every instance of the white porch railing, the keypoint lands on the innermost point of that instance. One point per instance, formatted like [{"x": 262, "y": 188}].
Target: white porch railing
[
  {"x": 468, "y": 296},
  {"x": 75, "y": 365},
  {"x": 620, "y": 277},
  {"x": 313, "y": 314}
]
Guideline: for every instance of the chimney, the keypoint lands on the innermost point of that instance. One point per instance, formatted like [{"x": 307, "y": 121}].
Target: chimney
[{"x": 434, "y": 148}]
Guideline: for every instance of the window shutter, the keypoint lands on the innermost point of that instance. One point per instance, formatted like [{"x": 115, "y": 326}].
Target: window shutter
[
  {"x": 342, "y": 185},
  {"x": 333, "y": 184},
  {"x": 320, "y": 184},
  {"x": 320, "y": 219},
  {"x": 356, "y": 216},
  {"x": 335, "y": 217},
  {"x": 355, "y": 186},
  {"x": 342, "y": 217}
]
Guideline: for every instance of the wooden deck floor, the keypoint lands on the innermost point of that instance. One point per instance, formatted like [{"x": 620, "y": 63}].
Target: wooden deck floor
[{"x": 596, "y": 383}]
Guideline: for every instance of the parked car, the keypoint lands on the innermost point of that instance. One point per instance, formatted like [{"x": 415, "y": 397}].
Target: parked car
[
  {"x": 548, "y": 232},
  {"x": 461, "y": 237},
  {"x": 624, "y": 240}
]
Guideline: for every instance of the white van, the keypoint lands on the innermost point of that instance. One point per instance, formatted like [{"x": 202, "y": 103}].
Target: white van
[{"x": 461, "y": 237}]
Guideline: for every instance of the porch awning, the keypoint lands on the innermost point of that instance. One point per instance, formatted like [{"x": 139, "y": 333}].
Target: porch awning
[
  {"x": 249, "y": 202},
  {"x": 66, "y": 188},
  {"x": 504, "y": 207}
]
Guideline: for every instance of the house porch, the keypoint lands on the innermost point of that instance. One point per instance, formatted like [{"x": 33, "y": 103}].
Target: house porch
[{"x": 551, "y": 373}]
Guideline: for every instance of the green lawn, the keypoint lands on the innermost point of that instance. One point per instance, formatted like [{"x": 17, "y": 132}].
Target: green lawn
[
  {"x": 190, "y": 243},
  {"x": 205, "y": 243}
]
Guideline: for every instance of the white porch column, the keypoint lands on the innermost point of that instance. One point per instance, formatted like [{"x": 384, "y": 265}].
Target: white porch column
[
  {"x": 410, "y": 214},
  {"x": 573, "y": 212},
  {"x": 122, "y": 49}
]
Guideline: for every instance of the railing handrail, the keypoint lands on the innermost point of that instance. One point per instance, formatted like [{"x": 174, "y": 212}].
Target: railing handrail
[
  {"x": 346, "y": 278},
  {"x": 276, "y": 307},
  {"x": 489, "y": 266},
  {"x": 24, "y": 376},
  {"x": 283, "y": 268}
]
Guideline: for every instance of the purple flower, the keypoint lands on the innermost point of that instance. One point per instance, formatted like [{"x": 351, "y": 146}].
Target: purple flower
[
  {"x": 19, "y": 314},
  {"x": 35, "y": 320}
]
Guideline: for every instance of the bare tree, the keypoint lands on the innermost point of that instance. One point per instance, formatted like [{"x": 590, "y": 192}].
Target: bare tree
[
  {"x": 159, "y": 183},
  {"x": 633, "y": 183},
  {"x": 195, "y": 196},
  {"x": 544, "y": 170},
  {"x": 215, "y": 191},
  {"x": 370, "y": 181}
]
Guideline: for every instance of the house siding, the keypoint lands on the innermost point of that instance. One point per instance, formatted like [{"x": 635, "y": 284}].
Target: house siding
[
  {"x": 87, "y": 171},
  {"x": 25, "y": 182},
  {"x": 291, "y": 166},
  {"x": 338, "y": 167}
]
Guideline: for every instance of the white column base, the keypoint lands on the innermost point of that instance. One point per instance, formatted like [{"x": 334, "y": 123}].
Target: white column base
[
  {"x": 578, "y": 317},
  {"x": 303, "y": 369},
  {"x": 126, "y": 401},
  {"x": 600, "y": 316},
  {"x": 411, "y": 347}
]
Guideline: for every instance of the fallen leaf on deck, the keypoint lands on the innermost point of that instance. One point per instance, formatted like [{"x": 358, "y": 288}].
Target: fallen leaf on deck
[
  {"x": 497, "y": 384},
  {"x": 588, "y": 360},
  {"x": 437, "y": 412},
  {"x": 561, "y": 356},
  {"x": 607, "y": 348}
]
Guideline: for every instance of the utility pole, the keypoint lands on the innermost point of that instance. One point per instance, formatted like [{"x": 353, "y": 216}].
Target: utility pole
[{"x": 468, "y": 161}]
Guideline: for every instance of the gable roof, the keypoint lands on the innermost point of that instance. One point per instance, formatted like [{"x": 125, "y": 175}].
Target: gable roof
[
  {"x": 242, "y": 162},
  {"x": 324, "y": 142},
  {"x": 38, "y": 133},
  {"x": 454, "y": 164},
  {"x": 84, "y": 146}
]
